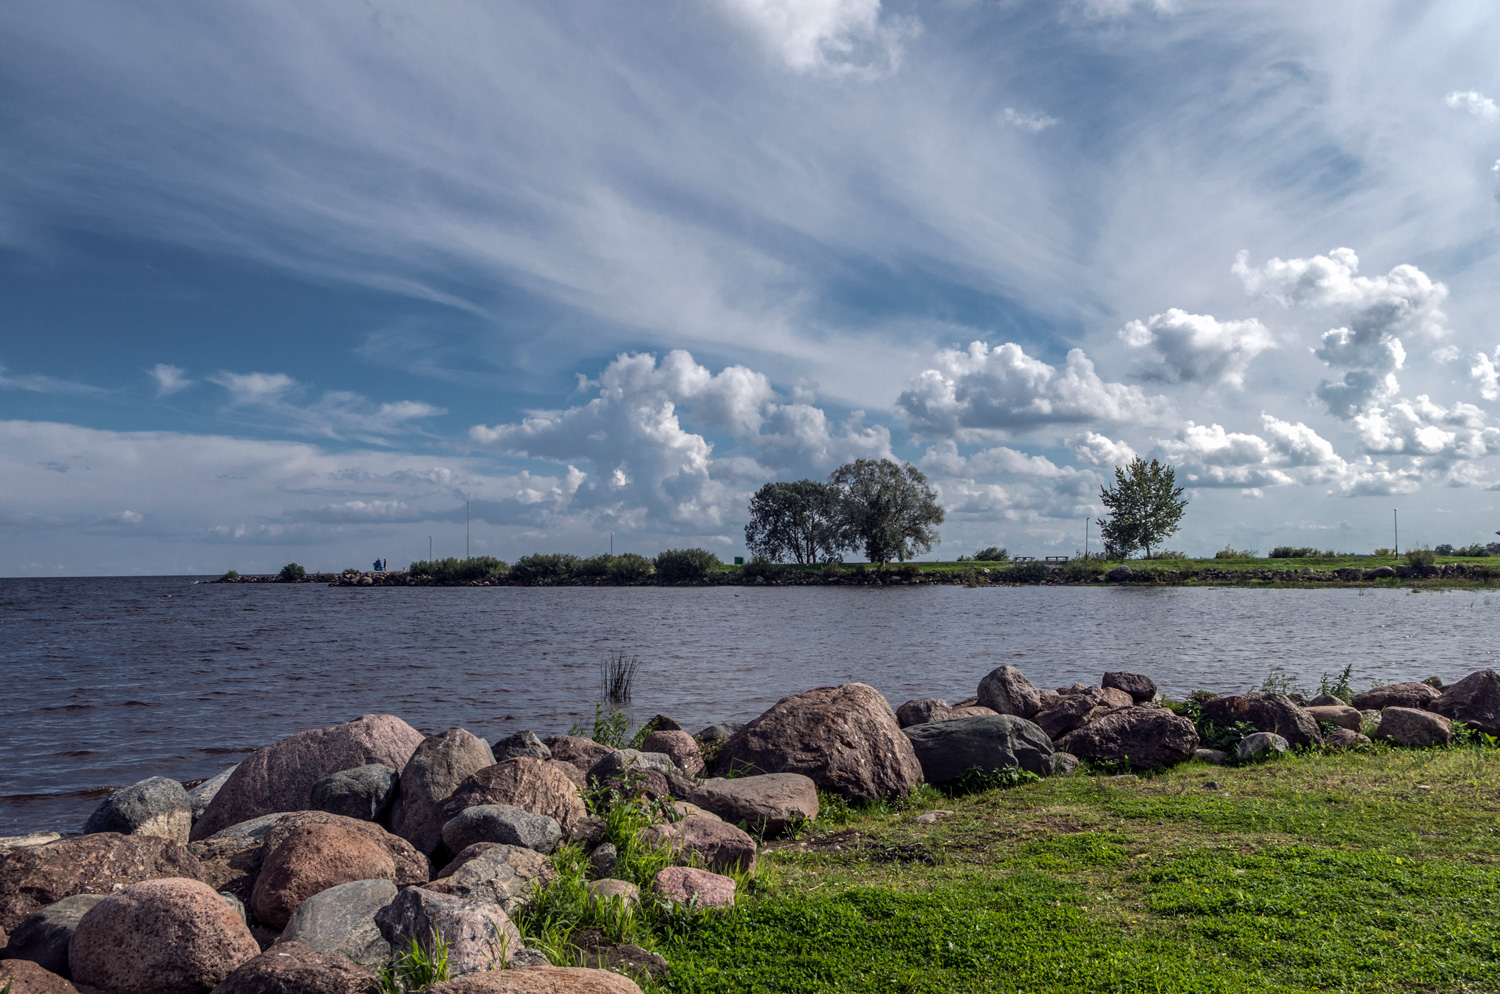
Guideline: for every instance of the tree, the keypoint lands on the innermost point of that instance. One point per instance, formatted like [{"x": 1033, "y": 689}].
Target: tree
[
  {"x": 793, "y": 520},
  {"x": 885, "y": 507},
  {"x": 1145, "y": 507}
]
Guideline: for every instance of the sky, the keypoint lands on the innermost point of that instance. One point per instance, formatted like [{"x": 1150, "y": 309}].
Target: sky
[{"x": 284, "y": 281}]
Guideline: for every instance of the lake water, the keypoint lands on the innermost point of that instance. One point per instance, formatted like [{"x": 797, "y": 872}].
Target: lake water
[{"x": 112, "y": 680}]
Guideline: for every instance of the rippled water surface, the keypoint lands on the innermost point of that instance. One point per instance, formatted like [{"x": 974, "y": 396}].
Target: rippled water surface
[{"x": 109, "y": 681}]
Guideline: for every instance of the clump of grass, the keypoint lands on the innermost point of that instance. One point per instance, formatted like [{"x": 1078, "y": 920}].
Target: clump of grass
[
  {"x": 1340, "y": 687},
  {"x": 1229, "y": 553},
  {"x": 977, "y": 779},
  {"x": 1420, "y": 557},
  {"x": 416, "y": 968},
  {"x": 611, "y": 727},
  {"x": 617, "y": 677}
]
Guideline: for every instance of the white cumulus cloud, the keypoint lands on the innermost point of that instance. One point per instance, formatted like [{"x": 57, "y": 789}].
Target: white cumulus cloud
[
  {"x": 1474, "y": 102},
  {"x": 334, "y": 414},
  {"x": 1198, "y": 348},
  {"x": 1034, "y": 122},
  {"x": 837, "y": 37},
  {"x": 169, "y": 379}
]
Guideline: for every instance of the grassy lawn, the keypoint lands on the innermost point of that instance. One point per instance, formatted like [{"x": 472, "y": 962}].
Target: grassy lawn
[{"x": 1373, "y": 871}]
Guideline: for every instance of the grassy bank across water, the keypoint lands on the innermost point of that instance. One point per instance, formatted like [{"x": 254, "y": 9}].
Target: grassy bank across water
[{"x": 1372, "y": 870}]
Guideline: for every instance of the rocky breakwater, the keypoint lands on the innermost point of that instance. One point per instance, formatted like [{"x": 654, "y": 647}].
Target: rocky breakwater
[{"x": 310, "y": 863}]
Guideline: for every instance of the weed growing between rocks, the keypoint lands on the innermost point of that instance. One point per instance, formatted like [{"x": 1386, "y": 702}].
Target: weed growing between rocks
[
  {"x": 416, "y": 968},
  {"x": 976, "y": 779}
]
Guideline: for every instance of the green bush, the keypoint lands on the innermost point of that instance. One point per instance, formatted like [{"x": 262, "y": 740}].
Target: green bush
[
  {"x": 685, "y": 565},
  {"x": 593, "y": 568},
  {"x": 1083, "y": 569},
  {"x": 233, "y": 574},
  {"x": 544, "y": 569},
  {"x": 992, "y": 554},
  {"x": 453, "y": 570},
  {"x": 1294, "y": 552},
  {"x": 1167, "y": 554},
  {"x": 1228, "y": 553},
  {"x": 1420, "y": 557},
  {"x": 630, "y": 567},
  {"x": 762, "y": 568},
  {"x": 292, "y": 573},
  {"x": 1026, "y": 573}
]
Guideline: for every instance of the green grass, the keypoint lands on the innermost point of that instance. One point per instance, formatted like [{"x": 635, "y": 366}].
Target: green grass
[{"x": 1369, "y": 871}]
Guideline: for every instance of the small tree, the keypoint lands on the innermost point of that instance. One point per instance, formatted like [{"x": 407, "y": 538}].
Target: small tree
[
  {"x": 292, "y": 573},
  {"x": 793, "y": 520},
  {"x": 1145, "y": 507},
  {"x": 886, "y": 508},
  {"x": 685, "y": 565}
]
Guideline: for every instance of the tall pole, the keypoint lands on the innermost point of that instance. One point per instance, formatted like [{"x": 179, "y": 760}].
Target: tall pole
[
  {"x": 611, "y": 545},
  {"x": 1396, "y": 529},
  {"x": 429, "y": 548},
  {"x": 466, "y": 529},
  {"x": 1085, "y": 539}
]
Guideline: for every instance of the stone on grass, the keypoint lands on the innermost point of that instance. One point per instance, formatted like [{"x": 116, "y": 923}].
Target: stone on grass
[
  {"x": 529, "y": 784},
  {"x": 588, "y": 831},
  {"x": 1214, "y": 757},
  {"x": 520, "y": 744},
  {"x": 595, "y": 949},
  {"x": 291, "y": 967},
  {"x": 718, "y": 845},
  {"x": 487, "y": 871},
  {"x": 1474, "y": 700},
  {"x": 540, "y": 980},
  {"x": 340, "y": 921},
  {"x": 1140, "y": 688},
  {"x": 845, "y": 739},
  {"x": 603, "y": 859},
  {"x": 1396, "y": 695},
  {"x": 1337, "y": 714},
  {"x": 1064, "y": 764},
  {"x": 438, "y": 766},
  {"x": 35, "y": 876},
  {"x": 679, "y": 746},
  {"x": 311, "y": 859},
  {"x": 1260, "y": 745},
  {"x": 1145, "y": 737},
  {"x": 44, "y": 936},
  {"x": 1343, "y": 738},
  {"x": 280, "y": 777},
  {"x": 1265, "y": 713},
  {"x": 502, "y": 823},
  {"x": 949, "y": 749},
  {"x": 1410, "y": 727},
  {"x": 200, "y": 795},
  {"x": 611, "y": 892},
  {"x": 479, "y": 934},
  {"x": 1005, "y": 690},
  {"x": 22, "y": 976},
  {"x": 156, "y": 806},
  {"x": 769, "y": 803},
  {"x": 171, "y": 936},
  {"x": 365, "y": 792},
  {"x": 1119, "y": 574},
  {"x": 576, "y": 749},
  {"x": 691, "y": 885}
]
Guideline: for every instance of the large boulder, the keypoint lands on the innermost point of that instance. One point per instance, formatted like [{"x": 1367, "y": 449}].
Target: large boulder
[
  {"x": 310, "y": 859},
  {"x": 1474, "y": 700},
  {"x": 171, "y": 936},
  {"x": 540, "y": 980},
  {"x": 1145, "y": 737},
  {"x": 440, "y": 764},
  {"x": 1396, "y": 695},
  {"x": 1343, "y": 738},
  {"x": 717, "y": 844},
  {"x": 721, "y": 731},
  {"x": 576, "y": 749},
  {"x": 681, "y": 747},
  {"x": 845, "y": 739},
  {"x": 156, "y": 806},
  {"x": 294, "y": 968},
  {"x": 1411, "y": 727},
  {"x": 520, "y": 744},
  {"x": 44, "y": 936},
  {"x": 1337, "y": 714},
  {"x": 22, "y": 976},
  {"x": 1005, "y": 690},
  {"x": 770, "y": 803},
  {"x": 411, "y": 866},
  {"x": 201, "y": 795},
  {"x": 479, "y": 935},
  {"x": 280, "y": 777},
  {"x": 690, "y": 885},
  {"x": 487, "y": 871},
  {"x": 365, "y": 792},
  {"x": 623, "y": 763},
  {"x": 1266, "y": 713},
  {"x": 946, "y": 749},
  {"x": 1260, "y": 745},
  {"x": 1140, "y": 688},
  {"x": 1063, "y": 714},
  {"x": 921, "y": 711},
  {"x": 32, "y": 877},
  {"x": 230, "y": 863},
  {"x": 502, "y": 823},
  {"x": 529, "y": 784},
  {"x": 340, "y": 921}
]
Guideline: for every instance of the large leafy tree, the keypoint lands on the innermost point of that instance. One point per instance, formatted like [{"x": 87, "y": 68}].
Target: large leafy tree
[
  {"x": 886, "y": 508},
  {"x": 1145, "y": 506},
  {"x": 795, "y": 521}
]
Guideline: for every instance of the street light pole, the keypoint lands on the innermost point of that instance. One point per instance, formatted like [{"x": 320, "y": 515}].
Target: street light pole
[{"x": 1396, "y": 531}]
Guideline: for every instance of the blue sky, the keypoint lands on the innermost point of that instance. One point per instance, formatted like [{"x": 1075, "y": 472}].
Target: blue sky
[{"x": 291, "y": 281}]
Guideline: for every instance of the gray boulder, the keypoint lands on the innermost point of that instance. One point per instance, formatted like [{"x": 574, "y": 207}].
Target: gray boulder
[
  {"x": 946, "y": 749},
  {"x": 340, "y": 921},
  {"x": 158, "y": 806},
  {"x": 769, "y": 803},
  {"x": 575, "y": 749},
  {"x": 622, "y": 762},
  {"x": 1118, "y": 575},
  {"x": 1396, "y": 695},
  {"x": 520, "y": 744},
  {"x": 603, "y": 859},
  {"x": 1337, "y": 714},
  {"x": 1064, "y": 763},
  {"x": 1266, "y": 713},
  {"x": 44, "y": 936},
  {"x": 921, "y": 711},
  {"x": 721, "y": 732},
  {"x": 1140, "y": 688},
  {"x": 479, "y": 934},
  {"x": 1005, "y": 690},
  {"x": 1410, "y": 727},
  {"x": 1063, "y": 714},
  {"x": 1144, "y": 737},
  {"x": 364, "y": 792},
  {"x": 205, "y": 791},
  {"x": 1343, "y": 738},
  {"x": 487, "y": 871},
  {"x": 1474, "y": 700},
  {"x": 1260, "y": 745},
  {"x": 502, "y": 823},
  {"x": 1327, "y": 701},
  {"x": 439, "y": 764},
  {"x": 1215, "y": 757}
]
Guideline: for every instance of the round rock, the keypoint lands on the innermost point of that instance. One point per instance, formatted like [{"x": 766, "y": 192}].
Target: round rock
[
  {"x": 157, "y": 806},
  {"x": 690, "y": 885},
  {"x": 502, "y": 823},
  {"x": 313, "y": 858},
  {"x": 365, "y": 792},
  {"x": 340, "y": 921},
  {"x": 439, "y": 765},
  {"x": 294, "y": 968}
]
